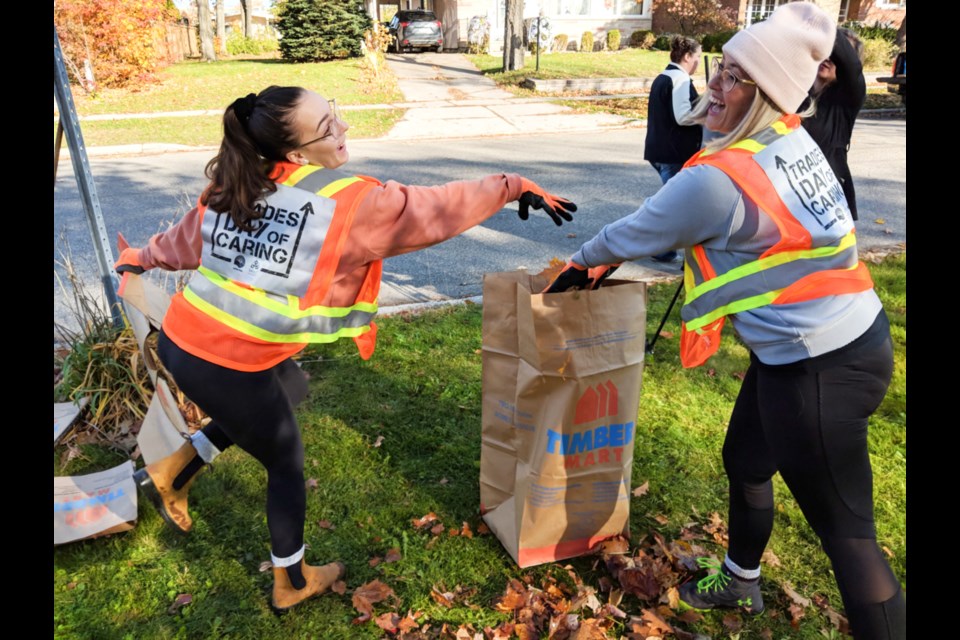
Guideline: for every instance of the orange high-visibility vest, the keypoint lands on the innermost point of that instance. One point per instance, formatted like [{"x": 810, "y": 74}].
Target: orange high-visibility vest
[
  {"x": 786, "y": 174},
  {"x": 256, "y": 297}
]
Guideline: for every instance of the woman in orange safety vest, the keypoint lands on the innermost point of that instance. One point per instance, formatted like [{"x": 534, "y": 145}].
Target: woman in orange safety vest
[
  {"x": 288, "y": 251},
  {"x": 770, "y": 243}
]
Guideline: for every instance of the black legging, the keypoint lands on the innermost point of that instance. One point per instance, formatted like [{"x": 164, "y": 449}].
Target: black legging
[
  {"x": 809, "y": 422},
  {"x": 254, "y": 411}
]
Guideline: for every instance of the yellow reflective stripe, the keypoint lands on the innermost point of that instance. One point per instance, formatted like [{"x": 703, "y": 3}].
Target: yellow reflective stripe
[
  {"x": 769, "y": 262},
  {"x": 781, "y": 127},
  {"x": 252, "y": 330},
  {"x": 759, "y": 300},
  {"x": 289, "y": 310},
  {"x": 749, "y": 144},
  {"x": 335, "y": 186},
  {"x": 299, "y": 175}
]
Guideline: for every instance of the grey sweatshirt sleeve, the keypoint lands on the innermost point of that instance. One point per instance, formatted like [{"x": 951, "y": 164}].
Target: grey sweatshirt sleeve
[{"x": 699, "y": 205}]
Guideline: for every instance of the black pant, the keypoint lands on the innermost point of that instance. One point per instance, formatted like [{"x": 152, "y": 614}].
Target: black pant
[
  {"x": 254, "y": 411},
  {"x": 808, "y": 421}
]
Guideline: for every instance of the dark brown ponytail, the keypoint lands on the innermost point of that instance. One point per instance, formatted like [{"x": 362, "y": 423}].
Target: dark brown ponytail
[{"x": 257, "y": 133}]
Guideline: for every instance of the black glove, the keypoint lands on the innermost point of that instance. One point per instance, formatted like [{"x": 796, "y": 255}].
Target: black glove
[
  {"x": 601, "y": 273},
  {"x": 574, "y": 276},
  {"x": 534, "y": 196}
]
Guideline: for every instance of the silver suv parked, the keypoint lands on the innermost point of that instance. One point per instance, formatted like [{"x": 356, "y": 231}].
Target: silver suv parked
[{"x": 417, "y": 29}]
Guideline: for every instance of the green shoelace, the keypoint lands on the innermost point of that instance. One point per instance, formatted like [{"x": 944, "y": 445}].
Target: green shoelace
[{"x": 715, "y": 581}]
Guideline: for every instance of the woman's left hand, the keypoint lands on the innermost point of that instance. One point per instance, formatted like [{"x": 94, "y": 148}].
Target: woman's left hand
[{"x": 534, "y": 196}]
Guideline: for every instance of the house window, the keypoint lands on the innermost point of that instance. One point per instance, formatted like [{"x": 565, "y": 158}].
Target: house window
[
  {"x": 596, "y": 8},
  {"x": 760, "y": 10},
  {"x": 844, "y": 8},
  {"x": 891, "y": 4}
]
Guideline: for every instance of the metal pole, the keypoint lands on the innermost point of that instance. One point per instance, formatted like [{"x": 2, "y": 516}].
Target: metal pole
[
  {"x": 538, "y": 44},
  {"x": 88, "y": 190},
  {"x": 653, "y": 341}
]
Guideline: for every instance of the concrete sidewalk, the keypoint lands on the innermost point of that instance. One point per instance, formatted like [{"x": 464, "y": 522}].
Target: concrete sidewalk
[{"x": 448, "y": 98}]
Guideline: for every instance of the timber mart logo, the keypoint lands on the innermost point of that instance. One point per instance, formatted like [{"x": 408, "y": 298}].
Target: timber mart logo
[{"x": 596, "y": 403}]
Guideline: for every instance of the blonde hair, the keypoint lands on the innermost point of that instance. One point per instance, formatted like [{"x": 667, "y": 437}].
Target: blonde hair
[{"x": 761, "y": 114}]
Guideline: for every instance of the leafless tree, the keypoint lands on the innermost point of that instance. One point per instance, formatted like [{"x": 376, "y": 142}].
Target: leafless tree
[
  {"x": 513, "y": 36},
  {"x": 221, "y": 28},
  {"x": 247, "y": 6},
  {"x": 207, "y": 54}
]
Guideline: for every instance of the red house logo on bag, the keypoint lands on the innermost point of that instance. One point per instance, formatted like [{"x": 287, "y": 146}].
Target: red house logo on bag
[
  {"x": 597, "y": 402},
  {"x": 593, "y": 445}
]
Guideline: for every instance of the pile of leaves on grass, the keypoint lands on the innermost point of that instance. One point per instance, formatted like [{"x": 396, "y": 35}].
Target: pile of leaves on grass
[{"x": 563, "y": 606}]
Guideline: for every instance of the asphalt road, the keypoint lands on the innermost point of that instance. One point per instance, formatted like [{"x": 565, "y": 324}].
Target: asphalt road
[{"x": 603, "y": 172}]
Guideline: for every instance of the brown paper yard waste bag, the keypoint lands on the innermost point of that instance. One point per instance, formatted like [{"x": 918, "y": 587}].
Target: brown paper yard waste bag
[{"x": 561, "y": 390}]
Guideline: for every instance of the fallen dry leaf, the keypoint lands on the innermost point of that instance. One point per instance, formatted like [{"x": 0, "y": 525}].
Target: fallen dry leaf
[
  {"x": 617, "y": 545},
  {"x": 465, "y": 531},
  {"x": 887, "y": 551},
  {"x": 339, "y": 587},
  {"x": 571, "y": 235},
  {"x": 796, "y": 597},
  {"x": 374, "y": 561},
  {"x": 592, "y": 629},
  {"x": 766, "y": 634},
  {"x": 666, "y": 334},
  {"x": 388, "y": 621},
  {"x": 266, "y": 565},
  {"x": 739, "y": 375},
  {"x": 378, "y": 442},
  {"x": 880, "y": 221},
  {"x": 889, "y": 232},
  {"x": 180, "y": 601},
  {"x": 690, "y": 617},
  {"x": 732, "y": 622},
  {"x": 453, "y": 532},
  {"x": 502, "y": 632},
  {"x": 641, "y": 491},
  {"x": 441, "y": 598},
  {"x": 444, "y": 481},
  {"x": 673, "y": 597},
  {"x": 482, "y": 528},
  {"x": 639, "y": 583},
  {"x": 662, "y": 519},
  {"x": 513, "y": 598},
  {"x": 311, "y": 483},
  {"x": 796, "y": 613},
  {"x": 770, "y": 558},
  {"x": 393, "y": 555},
  {"x": 408, "y": 622},
  {"x": 839, "y": 622},
  {"x": 326, "y": 524},
  {"x": 437, "y": 529},
  {"x": 366, "y": 595},
  {"x": 425, "y": 521}
]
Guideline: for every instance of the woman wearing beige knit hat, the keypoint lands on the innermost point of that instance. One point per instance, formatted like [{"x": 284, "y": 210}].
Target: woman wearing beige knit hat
[{"x": 770, "y": 243}]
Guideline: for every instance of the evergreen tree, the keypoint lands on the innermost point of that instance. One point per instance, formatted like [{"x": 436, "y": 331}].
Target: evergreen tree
[{"x": 321, "y": 29}]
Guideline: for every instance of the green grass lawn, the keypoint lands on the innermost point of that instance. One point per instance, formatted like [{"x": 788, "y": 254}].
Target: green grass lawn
[
  {"x": 193, "y": 85},
  {"x": 207, "y": 130},
  {"x": 393, "y": 438},
  {"x": 625, "y": 63}
]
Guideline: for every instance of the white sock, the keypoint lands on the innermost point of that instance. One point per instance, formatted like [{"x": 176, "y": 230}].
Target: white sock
[
  {"x": 289, "y": 560},
  {"x": 204, "y": 447},
  {"x": 740, "y": 572}
]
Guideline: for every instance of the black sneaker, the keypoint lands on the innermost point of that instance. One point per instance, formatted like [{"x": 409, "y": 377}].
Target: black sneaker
[{"x": 722, "y": 589}]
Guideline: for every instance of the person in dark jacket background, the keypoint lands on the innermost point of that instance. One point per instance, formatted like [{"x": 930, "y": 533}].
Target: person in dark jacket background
[
  {"x": 671, "y": 140},
  {"x": 839, "y": 91}
]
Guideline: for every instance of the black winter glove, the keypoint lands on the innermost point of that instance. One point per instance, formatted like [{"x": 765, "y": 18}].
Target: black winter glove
[{"x": 534, "y": 196}]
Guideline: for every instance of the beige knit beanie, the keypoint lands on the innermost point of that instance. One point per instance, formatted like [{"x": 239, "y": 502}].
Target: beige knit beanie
[{"x": 782, "y": 53}]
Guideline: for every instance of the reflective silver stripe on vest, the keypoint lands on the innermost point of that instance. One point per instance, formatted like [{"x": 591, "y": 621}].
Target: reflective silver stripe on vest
[
  {"x": 765, "y": 281},
  {"x": 263, "y": 311}
]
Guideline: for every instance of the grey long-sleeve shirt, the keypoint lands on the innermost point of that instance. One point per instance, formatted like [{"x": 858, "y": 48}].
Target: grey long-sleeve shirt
[{"x": 702, "y": 205}]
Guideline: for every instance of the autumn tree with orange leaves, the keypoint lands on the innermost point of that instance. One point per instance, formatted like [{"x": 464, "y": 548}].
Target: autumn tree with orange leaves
[
  {"x": 122, "y": 40},
  {"x": 697, "y": 17}
]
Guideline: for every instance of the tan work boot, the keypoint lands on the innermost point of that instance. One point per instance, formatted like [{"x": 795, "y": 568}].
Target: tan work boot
[
  {"x": 319, "y": 580},
  {"x": 157, "y": 480}
]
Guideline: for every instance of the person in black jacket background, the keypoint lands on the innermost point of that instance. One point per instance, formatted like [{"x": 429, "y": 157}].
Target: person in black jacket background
[
  {"x": 839, "y": 92},
  {"x": 670, "y": 139}
]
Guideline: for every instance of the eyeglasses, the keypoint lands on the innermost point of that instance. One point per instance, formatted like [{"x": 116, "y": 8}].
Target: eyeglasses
[
  {"x": 337, "y": 118},
  {"x": 727, "y": 79}
]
